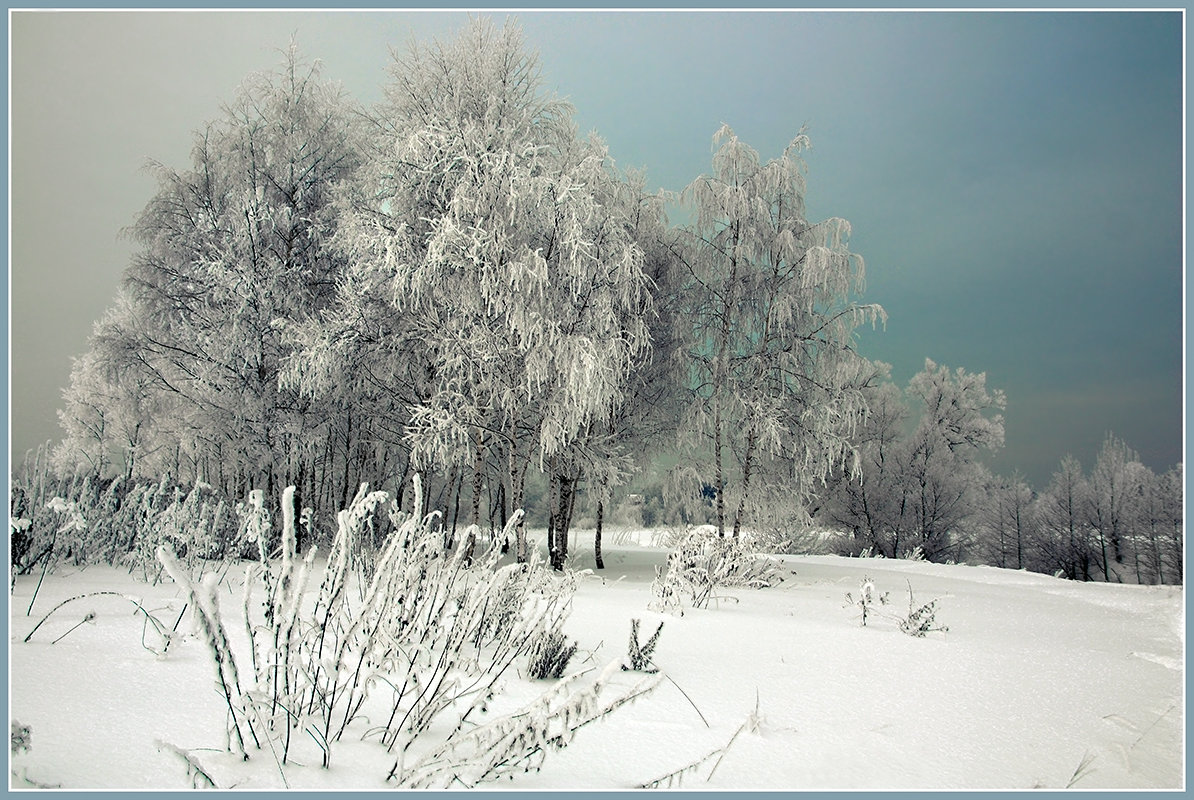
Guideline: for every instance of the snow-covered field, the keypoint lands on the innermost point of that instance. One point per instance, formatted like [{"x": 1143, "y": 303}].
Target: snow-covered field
[{"x": 1038, "y": 683}]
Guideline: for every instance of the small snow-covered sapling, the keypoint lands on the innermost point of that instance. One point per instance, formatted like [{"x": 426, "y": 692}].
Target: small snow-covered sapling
[
  {"x": 639, "y": 656},
  {"x": 867, "y": 598}
]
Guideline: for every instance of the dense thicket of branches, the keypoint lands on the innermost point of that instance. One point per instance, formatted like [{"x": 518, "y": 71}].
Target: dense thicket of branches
[{"x": 456, "y": 284}]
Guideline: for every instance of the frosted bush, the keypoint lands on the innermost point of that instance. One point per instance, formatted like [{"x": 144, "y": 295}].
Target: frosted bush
[
  {"x": 638, "y": 656},
  {"x": 193, "y": 525},
  {"x": 701, "y": 562},
  {"x": 921, "y": 619},
  {"x": 21, "y": 739},
  {"x": 407, "y": 651},
  {"x": 254, "y": 523},
  {"x": 549, "y": 656}
]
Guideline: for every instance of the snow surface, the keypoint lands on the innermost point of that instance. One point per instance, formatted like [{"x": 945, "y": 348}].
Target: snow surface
[{"x": 1038, "y": 683}]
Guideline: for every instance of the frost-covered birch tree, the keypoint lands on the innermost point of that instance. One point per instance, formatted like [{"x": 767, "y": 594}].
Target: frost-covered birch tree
[
  {"x": 1113, "y": 488},
  {"x": 959, "y": 419},
  {"x": 1006, "y": 522},
  {"x": 227, "y": 249},
  {"x": 480, "y": 223},
  {"x": 869, "y": 503},
  {"x": 920, "y": 488},
  {"x": 768, "y": 327},
  {"x": 113, "y": 413}
]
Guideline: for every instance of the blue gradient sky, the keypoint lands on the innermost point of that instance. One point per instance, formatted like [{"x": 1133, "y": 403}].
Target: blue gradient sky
[{"x": 1014, "y": 180}]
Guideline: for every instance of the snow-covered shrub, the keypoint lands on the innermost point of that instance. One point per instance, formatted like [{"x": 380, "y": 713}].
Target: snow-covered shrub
[
  {"x": 19, "y": 543},
  {"x": 205, "y": 602},
  {"x": 193, "y": 524},
  {"x": 21, "y": 742},
  {"x": 21, "y": 739},
  {"x": 71, "y": 534},
  {"x": 701, "y": 562},
  {"x": 410, "y": 656},
  {"x": 781, "y": 525},
  {"x": 638, "y": 657},
  {"x": 253, "y": 525},
  {"x": 31, "y": 536},
  {"x": 145, "y": 506},
  {"x": 549, "y": 656},
  {"x": 667, "y": 592},
  {"x": 868, "y": 598},
  {"x": 921, "y": 619}
]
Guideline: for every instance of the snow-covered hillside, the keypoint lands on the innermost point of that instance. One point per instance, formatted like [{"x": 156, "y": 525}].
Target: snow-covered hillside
[{"x": 1038, "y": 682}]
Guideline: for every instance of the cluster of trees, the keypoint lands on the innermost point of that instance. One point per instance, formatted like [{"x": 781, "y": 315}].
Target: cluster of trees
[
  {"x": 921, "y": 490},
  {"x": 1121, "y": 522},
  {"x": 455, "y": 283}
]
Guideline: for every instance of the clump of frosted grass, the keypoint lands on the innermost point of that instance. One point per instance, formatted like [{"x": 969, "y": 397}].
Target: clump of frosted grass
[{"x": 406, "y": 649}]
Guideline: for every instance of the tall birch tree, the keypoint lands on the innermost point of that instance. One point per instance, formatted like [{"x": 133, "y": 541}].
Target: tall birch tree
[
  {"x": 227, "y": 249},
  {"x": 768, "y": 328},
  {"x": 481, "y": 220}
]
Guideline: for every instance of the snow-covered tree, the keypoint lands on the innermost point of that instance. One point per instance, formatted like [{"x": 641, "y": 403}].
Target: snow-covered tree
[
  {"x": 227, "y": 249},
  {"x": 1169, "y": 494},
  {"x": 490, "y": 230},
  {"x": 869, "y": 504},
  {"x": 115, "y": 418},
  {"x": 920, "y": 489},
  {"x": 1005, "y": 522},
  {"x": 1064, "y": 535},
  {"x": 768, "y": 328},
  {"x": 958, "y": 419},
  {"x": 1114, "y": 487}
]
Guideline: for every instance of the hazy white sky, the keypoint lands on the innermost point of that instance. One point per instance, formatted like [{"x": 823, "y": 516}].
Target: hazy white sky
[{"x": 1014, "y": 180}]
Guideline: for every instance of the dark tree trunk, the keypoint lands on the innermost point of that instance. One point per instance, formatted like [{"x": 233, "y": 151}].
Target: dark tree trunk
[
  {"x": 719, "y": 474},
  {"x": 563, "y": 519},
  {"x": 597, "y": 536}
]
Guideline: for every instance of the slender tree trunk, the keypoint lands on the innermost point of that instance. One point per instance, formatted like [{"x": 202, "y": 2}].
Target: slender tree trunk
[
  {"x": 747, "y": 469},
  {"x": 1106, "y": 566},
  {"x": 503, "y": 515},
  {"x": 1152, "y": 535},
  {"x": 347, "y": 460},
  {"x": 597, "y": 536},
  {"x": 565, "y": 526},
  {"x": 1019, "y": 539},
  {"x": 478, "y": 476},
  {"x": 566, "y": 501},
  {"x": 517, "y": 469},
  {"x": 457, "y": 490},
  {"x": 553, "y": 513},
  {"x": 478, "y": 482},
  {"x": 719, "y": 474}
]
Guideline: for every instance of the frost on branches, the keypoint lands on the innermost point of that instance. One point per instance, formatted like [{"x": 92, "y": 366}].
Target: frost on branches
[{"x": 768, "y": 328}]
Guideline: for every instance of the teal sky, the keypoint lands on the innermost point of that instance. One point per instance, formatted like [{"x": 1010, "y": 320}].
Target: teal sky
[{"x": 1014, "y": 179}]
